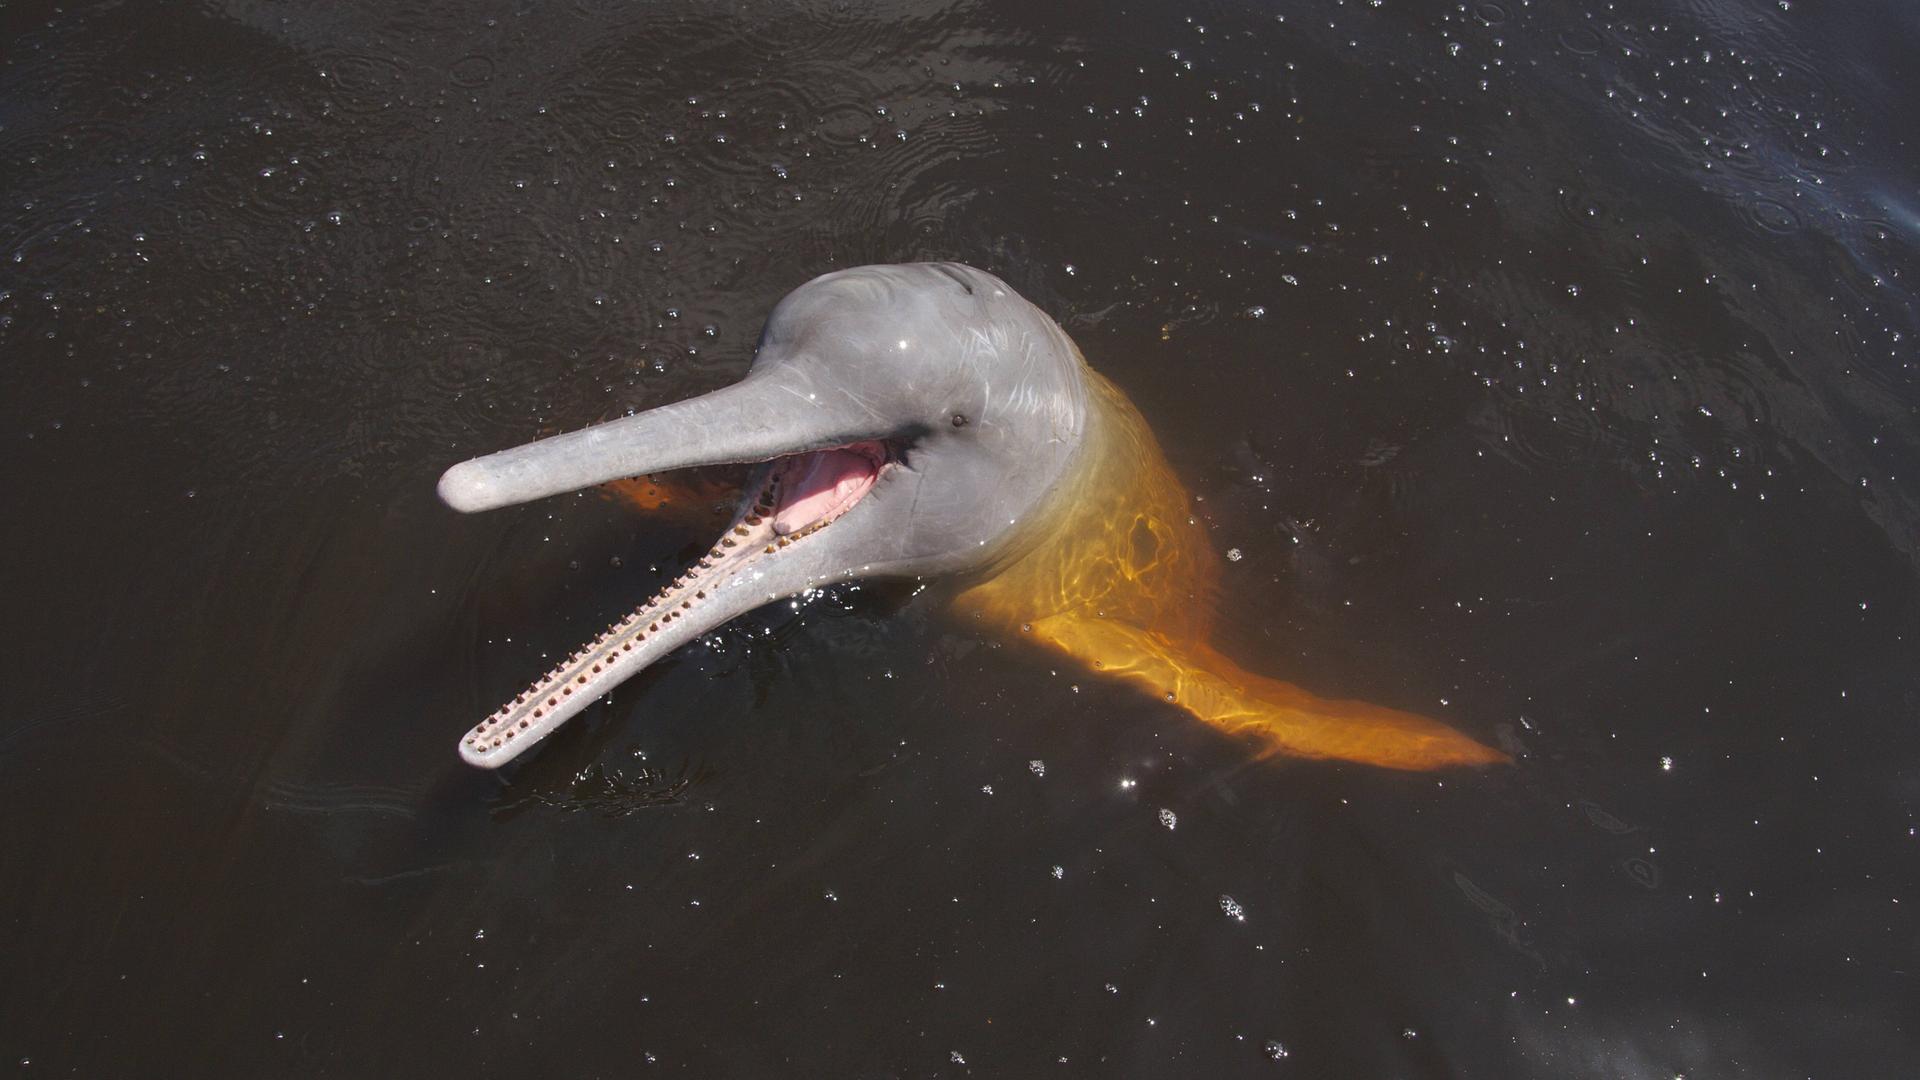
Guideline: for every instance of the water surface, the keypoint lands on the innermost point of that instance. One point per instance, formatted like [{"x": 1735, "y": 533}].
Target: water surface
[{"x": 1543, "y": 367}]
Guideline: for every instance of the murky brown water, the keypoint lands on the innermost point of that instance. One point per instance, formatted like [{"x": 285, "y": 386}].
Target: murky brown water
[{"x": 1546, "y": 368}]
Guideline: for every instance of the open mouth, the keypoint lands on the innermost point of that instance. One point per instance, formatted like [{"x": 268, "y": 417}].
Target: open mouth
[
  {"x": 795, "y": 497},
  {"x": 816, "y": 488}
]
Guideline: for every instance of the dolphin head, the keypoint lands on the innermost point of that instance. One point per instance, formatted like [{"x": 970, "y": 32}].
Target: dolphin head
[{"x": 909, "y": 421}]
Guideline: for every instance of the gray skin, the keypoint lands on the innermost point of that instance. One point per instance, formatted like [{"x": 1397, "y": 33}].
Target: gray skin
[{"x": 979, "y": 399}]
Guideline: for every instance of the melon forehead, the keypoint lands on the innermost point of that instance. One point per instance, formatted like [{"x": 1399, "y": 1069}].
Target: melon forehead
[
  {"x": 913, "y": 344},
  {"x": 874, "y": 310}
]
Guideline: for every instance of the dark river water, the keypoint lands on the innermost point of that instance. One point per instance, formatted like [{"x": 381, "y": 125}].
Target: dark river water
[{"x": 1544, "y": 367}]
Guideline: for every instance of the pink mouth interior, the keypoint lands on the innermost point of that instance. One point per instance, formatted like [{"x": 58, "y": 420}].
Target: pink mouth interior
[{"x": 822, "y": 485}]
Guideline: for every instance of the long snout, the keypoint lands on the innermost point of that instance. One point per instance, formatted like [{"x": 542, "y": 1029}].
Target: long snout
[{"x": 769, "y": 414}]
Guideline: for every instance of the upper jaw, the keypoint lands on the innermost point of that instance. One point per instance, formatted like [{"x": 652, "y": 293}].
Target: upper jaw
[{"x": 776, "y": 411}]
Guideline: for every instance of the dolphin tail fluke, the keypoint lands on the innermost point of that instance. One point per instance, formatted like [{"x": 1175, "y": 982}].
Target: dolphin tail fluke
[{"x": 1283, "y": 717}]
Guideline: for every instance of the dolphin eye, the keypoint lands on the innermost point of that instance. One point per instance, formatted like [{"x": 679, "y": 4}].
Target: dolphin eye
[{"x": 959, "y": 420}]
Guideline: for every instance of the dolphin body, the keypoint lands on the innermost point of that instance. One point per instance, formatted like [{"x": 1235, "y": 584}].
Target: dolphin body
[{"x": 922, "y": 421}]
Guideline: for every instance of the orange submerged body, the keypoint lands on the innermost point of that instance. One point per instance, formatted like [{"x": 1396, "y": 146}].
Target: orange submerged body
[{"x": 1121, "y": 578}]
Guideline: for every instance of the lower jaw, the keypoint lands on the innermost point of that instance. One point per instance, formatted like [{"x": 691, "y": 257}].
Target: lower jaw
[{"x": 669, "y": 619}]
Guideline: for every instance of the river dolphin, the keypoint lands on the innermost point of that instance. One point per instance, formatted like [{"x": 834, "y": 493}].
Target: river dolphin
[{"x": 924, "y": 421}]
